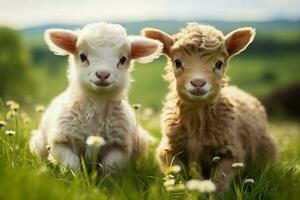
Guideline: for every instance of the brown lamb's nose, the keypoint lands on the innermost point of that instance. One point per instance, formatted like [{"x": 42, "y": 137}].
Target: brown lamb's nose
[
  {"x": 198, "y": 83},
  {"x": 102, "y": 75}
]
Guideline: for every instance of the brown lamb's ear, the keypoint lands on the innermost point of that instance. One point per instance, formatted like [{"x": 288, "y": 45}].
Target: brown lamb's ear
[
  {"x": 163, "y": 37},
  {"x": 238, "y": 40},
  {"x": 60, "y": 41}
]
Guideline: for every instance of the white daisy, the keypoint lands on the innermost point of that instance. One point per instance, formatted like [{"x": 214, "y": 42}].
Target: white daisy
[
  {"x": 249, "y": 180},
  {"x": 238, "y": 165},
  {"x": 216, "y": 159},
  {"x": 10, "y": 133},
  {"x": 40, "y": 108},
  {"x": 169, "y": 182},
  {"x": 13, "y": 105},
  {"x": 206, "y": 186},
  {"x": 2, "y": 123},
  {"x": 95, "y": 141},
  {"x": 173, "y": 169}
]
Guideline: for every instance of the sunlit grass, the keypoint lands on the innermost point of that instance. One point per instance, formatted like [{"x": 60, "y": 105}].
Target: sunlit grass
[{"x": 25, "y": 177}]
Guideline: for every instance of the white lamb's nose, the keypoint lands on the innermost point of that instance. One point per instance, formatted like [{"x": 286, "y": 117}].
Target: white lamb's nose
[{"x": 102, "y": 75}]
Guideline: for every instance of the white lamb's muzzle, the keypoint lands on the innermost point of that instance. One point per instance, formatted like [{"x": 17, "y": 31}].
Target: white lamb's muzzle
[
  {"x": 102, "y": 83},
  {"x": 98, "y": 85},
  {"x": 118, "y": 81},
  {"x": 104, "y": 88}
]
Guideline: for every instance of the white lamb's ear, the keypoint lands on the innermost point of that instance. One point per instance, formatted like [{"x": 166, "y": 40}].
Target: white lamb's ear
[
  {"x": 238, "y": 40},
  {"x": 61, "y": 41},
  {"x": 145, "y": 50}
]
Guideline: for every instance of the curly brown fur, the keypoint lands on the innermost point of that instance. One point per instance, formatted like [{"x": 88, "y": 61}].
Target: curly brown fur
[{"x": 212, "y": 119}]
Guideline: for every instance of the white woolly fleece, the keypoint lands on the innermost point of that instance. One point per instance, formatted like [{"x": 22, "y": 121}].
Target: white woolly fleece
[{"x": 87, "y": 108}]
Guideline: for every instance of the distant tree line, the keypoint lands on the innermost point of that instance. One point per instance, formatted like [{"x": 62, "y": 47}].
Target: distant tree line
[{"x": 16, "y": 81}]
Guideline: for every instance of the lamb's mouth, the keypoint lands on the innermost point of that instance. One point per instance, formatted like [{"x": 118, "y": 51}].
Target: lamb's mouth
[
  {"x": 101, "y": 84},
  {"x": 198, "y": 92}
]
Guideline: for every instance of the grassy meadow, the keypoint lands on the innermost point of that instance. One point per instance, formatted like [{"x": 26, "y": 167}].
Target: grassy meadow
[{"x": 259, "y": 72}]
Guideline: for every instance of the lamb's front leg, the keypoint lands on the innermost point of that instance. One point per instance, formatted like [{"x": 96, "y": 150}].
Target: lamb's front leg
[
  {"x": 195, "y": 170},
  {"x": 62, "y": 153},
  {"x": 115, "y": 158},
  {"x": 224, "y": 174},
  {"x": 167, "y": 157}
]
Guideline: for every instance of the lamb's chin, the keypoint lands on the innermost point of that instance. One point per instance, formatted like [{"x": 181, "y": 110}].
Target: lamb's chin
[
  {"x": 102, "y": 89},
  {"x": 187, "y": 96}
]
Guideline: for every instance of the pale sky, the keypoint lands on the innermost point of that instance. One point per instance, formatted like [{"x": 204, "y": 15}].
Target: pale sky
[{"x": 24, "y": 13}]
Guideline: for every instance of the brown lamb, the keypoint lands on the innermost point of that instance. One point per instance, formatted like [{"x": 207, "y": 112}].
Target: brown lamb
[{"x": 202, "y": 117}]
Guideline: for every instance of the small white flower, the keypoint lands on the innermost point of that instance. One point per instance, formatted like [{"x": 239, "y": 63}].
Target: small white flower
[
  {"x": 10, "y": 114},
  {"x": 173, "y": 169},
  {"x": 176, "y": 168},
  {"x": 169, "y": 182},
  {"x": 40, "y": 108},
  {"x": 2, "y": 123},
  {"x": 216, "y": 159},
  {"x": 136, "y": 106},
  {"x": 13, "y": 105},
  {"x": 238, "y": 165},
  {"x": 168, "y": 176},
  {"x": 249, "y": 180},
  {"x": 10, "y": 133},
  {"x": 193, "y": 184},
  {"x": 206, "y": 186},
  {"x": 95, "y": 141},
  {"x": 48, "y": 147}
]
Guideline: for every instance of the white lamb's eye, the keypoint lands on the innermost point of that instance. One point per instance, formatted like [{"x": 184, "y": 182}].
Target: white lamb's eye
[
  {"x": 83, "y": 57},
  {"x": 122, "y": 60}
]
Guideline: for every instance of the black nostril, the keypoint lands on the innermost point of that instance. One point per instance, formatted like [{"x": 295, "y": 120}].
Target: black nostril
[
  {"x": 193, "y": 84},
  {"x": 106, "y": 77},
  {"x": 203, "y": 83}
]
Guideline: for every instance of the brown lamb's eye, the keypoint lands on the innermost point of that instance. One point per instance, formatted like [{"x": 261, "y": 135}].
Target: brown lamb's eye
[
  {"x": 219, "y": 64},
  {"x": 178, "y": 63},
  {"x": 122, "y": 60}
]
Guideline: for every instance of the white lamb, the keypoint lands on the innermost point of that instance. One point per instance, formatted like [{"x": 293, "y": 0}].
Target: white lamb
[{"x": 95, "y": 102}]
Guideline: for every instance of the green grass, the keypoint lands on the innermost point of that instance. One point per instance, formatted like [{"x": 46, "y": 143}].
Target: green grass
[{"x": 25, "y": 177}]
